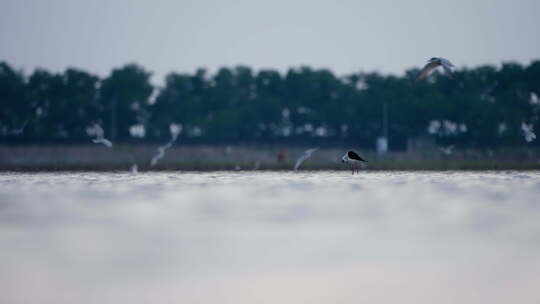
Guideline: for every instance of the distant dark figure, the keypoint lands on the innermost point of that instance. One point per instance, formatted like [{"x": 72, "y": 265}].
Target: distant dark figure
[
  {"x": 354, "y": 159},
  {"x": 434, "y": 63},
  {"x": 282, "y": 156}
]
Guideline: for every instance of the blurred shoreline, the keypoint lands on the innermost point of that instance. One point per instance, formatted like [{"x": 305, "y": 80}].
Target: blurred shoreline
[{"x": 251, "y": 157}]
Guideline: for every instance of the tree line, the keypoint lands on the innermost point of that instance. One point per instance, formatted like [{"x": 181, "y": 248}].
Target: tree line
[{"x": 486, "y": 106}]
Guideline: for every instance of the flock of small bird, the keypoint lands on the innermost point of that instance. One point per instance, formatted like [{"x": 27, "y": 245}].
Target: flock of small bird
[{"x": 350, "y": 157}]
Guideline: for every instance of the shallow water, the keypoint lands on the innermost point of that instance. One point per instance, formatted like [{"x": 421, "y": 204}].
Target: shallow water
[{"x": 272, "y": 237}]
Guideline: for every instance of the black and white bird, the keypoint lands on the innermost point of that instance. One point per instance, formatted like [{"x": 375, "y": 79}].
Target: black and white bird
[
  {"x": 434, "y": 63},
  {"x": 354, "y": 159}
]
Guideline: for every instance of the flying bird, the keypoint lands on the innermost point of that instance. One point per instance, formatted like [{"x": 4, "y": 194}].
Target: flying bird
[
  {"x": 161, "y": 152},
  {"x": 447, "y": 151},
  {"x": 175, "y": 131},
  {"x": 303, "y": 157},
  {"x": 353, "y": 158},
  {"x": 528, "y": 132},
  {"x": 97, "y": 131},
  {"x": 20, "y": 130},
  {"x": 107, "y": 143},
  {"x": 434, "y": 63}
]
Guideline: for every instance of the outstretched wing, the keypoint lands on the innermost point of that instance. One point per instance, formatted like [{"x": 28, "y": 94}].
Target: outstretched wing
[
  {"x": 310, "y": 151},
  {"x": 447, "y": 69},
  {"x": 355, "y": 156},
  {"x": 428, "y": 68},
  {"x": 303, "y": 157},
  {"x": 446, "y": 62},
  {"x": 107, "y": 143},
  {"x": 299, "y": 161}
]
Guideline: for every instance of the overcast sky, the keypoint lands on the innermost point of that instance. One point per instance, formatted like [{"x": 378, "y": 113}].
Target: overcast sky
[{"x": 344, "y": 36}]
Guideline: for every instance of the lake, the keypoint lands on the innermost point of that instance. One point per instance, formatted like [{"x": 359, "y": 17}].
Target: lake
[{"x": 270, "y": 237}]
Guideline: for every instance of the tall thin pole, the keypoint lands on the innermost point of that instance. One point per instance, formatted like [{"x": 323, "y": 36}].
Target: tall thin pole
[
  {"x": 112, "y": 129},
  {"x": 385, "y": 120}
]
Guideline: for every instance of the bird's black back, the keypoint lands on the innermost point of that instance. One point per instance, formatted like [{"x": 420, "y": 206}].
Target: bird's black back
[{"x": 354, "y": 155}]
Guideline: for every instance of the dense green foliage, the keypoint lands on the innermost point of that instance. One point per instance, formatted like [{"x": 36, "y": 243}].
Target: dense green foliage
[{"x": 486, "y": 106}]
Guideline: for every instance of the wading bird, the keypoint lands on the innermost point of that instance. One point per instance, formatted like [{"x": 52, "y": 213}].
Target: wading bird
[
  {"x": 434, "y": 63},
  {"x": 354, "y": 159}
]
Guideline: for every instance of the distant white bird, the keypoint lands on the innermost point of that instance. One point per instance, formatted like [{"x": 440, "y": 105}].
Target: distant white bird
[
  {"x": 107, "y": 143},
  {"x": 134, "y": 169},
  {"x": 434, "y": 63},
  {"x": 447, "y": 150},
  {"x": 528, "y": 132},
  {"x": 303, "y": 157},
  {"x": 175, "y": 131},
  {"x": 20, "y": 130},
  {"x": 97, "y": 131},
  {"x": 161, "y": 152},
  {"x": 353, "y": 158}
]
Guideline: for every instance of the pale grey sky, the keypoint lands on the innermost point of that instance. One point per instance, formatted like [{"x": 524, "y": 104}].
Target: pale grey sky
[{"x": 344, "y": 36}]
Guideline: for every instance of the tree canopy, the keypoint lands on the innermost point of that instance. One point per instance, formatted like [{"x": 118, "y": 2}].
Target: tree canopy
[{"x": 487, "y": 106}]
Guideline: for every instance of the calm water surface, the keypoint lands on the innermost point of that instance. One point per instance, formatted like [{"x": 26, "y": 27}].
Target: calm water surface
[{"x": 272, "y": 237}]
